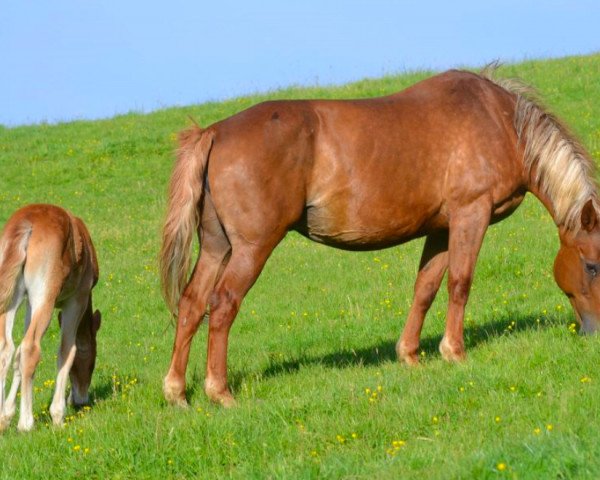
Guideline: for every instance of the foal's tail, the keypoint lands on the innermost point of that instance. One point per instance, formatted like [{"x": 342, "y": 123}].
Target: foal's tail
[
  {"x": 13, "y": 251},
  {"x": 185, "y": 195}
]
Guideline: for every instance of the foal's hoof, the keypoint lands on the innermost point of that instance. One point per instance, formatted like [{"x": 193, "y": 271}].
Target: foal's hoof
[
  {"x": 452, "y": 353},
  {"x": 25, "y": 425},
  {"x": 407, "y": 355},
  {"x": 4, "y": 422}
]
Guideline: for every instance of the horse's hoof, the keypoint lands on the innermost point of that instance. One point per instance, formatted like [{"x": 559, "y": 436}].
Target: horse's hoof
[
  {"x": 224, "y": 399},
  {"x": 227, "y": 401},
  {"x": 452, "y": 354},
  {"x": 406, "y": 355},
  {"x": 174, "y": 393},
  {"x": 222, "y": 396},
  {"x": 411, "y": 360}
]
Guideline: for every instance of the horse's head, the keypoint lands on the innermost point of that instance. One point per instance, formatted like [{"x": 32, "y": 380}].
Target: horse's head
[
  {"x": 577, "y": 268},
  {"x": 85, "y": 357}
]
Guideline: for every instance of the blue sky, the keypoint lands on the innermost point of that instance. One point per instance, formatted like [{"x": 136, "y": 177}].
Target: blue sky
[{"x": 71, "y": 59}]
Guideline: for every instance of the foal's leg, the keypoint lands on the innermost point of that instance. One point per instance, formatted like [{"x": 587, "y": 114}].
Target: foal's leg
[
  {"x": 6, "y": 353},
  {"x": 467, "y": 228},
  {"x": 11, "y": 399},
  {"x": 71, "y": 316},
  {"x": 239, "y": 275},
  {"x": 193, "y": 302},
  {"x": 30, "y": 353},
  {"x": 7, "y": 348},
  {"x": 433, "y": 265}
]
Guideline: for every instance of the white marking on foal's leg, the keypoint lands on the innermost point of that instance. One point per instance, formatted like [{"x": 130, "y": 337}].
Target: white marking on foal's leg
[
  {"x": 42, "y": 305},
  {"x": 26, "y": 416},
  {"x": 58, "y": 406},
  {"x": 71, "y": 316},
  {"x": 7, "y": 346},
  {"x": 8, "y": 412}
]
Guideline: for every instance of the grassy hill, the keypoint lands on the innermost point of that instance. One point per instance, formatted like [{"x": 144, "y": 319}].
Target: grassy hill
[{"x": 312, "y": 359}]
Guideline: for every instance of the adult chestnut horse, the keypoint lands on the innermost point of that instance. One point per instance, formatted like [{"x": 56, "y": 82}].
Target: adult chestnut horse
[
  {"x": 47, "y": 256},
  {"x": 442, "y": 159}
]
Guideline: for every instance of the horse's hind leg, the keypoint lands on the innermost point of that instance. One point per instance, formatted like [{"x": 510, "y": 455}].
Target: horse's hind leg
[
  {"x": 192, "y": 306},
  {"x": 70, "y": 318},
  {"x": 239, "y": 275},
  {"x": 433, "y": 265}
]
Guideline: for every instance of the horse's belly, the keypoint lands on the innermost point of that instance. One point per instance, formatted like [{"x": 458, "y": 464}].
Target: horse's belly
[{"x": 363, "y": 229}]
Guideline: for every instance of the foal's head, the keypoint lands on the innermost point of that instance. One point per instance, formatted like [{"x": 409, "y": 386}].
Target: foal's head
[
  {"x": 85, "y": 357},
  {"x": 577, "y": 268}
]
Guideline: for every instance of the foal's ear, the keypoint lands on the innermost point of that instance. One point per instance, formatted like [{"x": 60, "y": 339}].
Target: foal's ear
[
  {"x": 589, "y": 217},
  {"x": 96, "y": 320}
]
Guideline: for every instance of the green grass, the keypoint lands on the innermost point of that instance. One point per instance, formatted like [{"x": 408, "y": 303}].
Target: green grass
[{"x": 315, "y": 337}]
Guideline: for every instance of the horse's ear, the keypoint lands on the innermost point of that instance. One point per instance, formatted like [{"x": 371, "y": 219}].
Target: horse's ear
[
  {"x": 96, "y": 320},
  {"x": 589, "y": 217}
]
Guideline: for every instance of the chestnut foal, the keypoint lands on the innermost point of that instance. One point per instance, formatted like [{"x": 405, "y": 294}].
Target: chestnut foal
[
  {"x": 444, "y": 159},
  {"x": 47, "y": 257}
]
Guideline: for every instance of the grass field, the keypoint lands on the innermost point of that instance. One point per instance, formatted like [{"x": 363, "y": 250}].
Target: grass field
[{"x": 312, "y": 362}]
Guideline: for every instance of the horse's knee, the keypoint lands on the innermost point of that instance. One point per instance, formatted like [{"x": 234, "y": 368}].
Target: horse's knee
[
  {"x": 459, "y": 288},
  {"x": 425, "y": 295}
]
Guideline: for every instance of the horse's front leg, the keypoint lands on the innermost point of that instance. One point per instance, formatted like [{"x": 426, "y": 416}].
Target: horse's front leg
[
  {"x": 434, "y": 262},
  {"x": 468, "y": 225}
]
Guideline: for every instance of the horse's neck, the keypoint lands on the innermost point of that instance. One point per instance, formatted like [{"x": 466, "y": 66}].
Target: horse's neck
[
  {"x": 544, "y": 199},
  {"x": 563, "y": 202}
]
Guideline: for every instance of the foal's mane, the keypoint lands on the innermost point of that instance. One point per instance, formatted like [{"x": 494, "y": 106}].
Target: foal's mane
[{"x": 555, "y": 160}]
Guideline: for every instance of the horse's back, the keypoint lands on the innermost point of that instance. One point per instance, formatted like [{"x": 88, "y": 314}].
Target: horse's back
[{"x": 364, "y": 173}]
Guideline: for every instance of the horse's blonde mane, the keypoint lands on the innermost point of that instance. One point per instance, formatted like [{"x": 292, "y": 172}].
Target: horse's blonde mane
[{"x": 556, "y": 162}]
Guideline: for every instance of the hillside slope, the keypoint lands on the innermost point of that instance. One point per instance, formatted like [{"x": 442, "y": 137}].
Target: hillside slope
[{"x": 312, "y": 358}]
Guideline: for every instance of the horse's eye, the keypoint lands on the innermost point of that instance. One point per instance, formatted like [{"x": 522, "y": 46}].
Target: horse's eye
[{"x": 592, "y": 269}]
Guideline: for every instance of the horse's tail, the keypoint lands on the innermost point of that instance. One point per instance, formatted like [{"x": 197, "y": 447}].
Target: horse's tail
[
  {"x": 185, "y": 196},
  {"x": 13, "y": 252}
]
